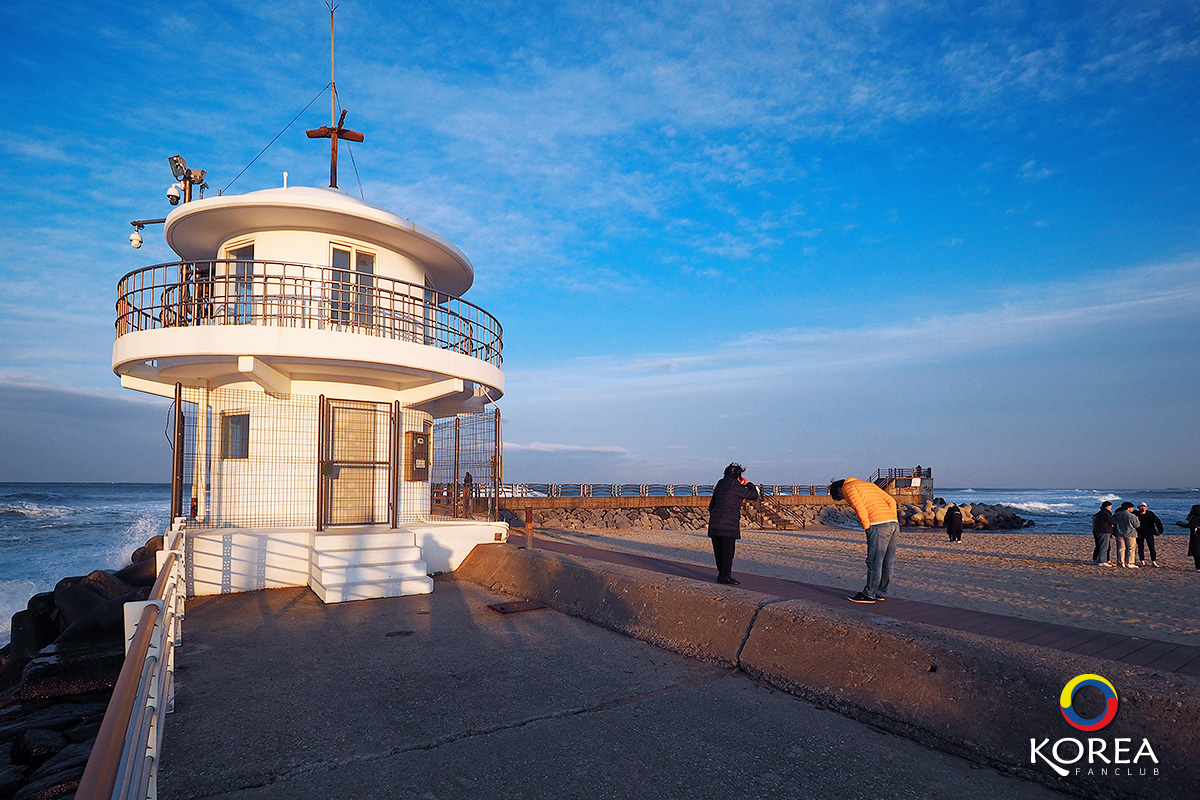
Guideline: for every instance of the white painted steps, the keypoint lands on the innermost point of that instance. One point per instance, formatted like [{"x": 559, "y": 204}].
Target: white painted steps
[{"x": 362, "y": 564}]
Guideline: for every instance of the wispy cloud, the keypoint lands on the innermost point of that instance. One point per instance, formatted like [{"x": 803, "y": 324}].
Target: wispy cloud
[
  {"x": 1046, "y": 315},
  {"x": 1030, "y": 171}
]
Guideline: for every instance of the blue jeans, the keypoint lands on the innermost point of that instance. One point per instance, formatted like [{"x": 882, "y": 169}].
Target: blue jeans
[
  {"x": 881, "y": 553},
  {"x": 1100, "y": 553}
]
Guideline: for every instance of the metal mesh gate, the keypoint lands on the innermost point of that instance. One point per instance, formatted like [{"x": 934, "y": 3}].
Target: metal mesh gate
[
  {"x": 357, "y": 446},
  {"x": 467, "y": 468}
]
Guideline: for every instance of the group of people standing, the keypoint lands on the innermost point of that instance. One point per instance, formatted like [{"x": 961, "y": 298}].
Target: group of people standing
[{"x": 1129, "y": 526}]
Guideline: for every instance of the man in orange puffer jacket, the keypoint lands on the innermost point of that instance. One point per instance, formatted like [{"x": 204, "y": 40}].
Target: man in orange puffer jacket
[{"x": 876, "y": 511}]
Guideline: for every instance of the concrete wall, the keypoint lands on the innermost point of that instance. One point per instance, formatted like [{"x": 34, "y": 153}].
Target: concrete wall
[{"x": 982, "y": 698}]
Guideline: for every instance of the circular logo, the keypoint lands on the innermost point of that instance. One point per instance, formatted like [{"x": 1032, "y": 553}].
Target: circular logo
[{"x": 1068, "y": 696}]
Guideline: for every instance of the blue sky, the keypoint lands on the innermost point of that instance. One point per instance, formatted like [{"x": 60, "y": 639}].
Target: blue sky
[{"x": 816, "y": 238}]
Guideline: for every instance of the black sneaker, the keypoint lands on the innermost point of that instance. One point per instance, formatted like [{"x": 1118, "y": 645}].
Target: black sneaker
[
  {"x": 880, "y": 598},
  {"x": 861, "y": 597}
]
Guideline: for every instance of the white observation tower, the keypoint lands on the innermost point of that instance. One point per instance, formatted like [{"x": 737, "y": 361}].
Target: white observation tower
[{"x": 333, "y": 389}]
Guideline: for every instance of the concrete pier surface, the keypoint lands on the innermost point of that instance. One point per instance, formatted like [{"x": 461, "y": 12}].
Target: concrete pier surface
[{"x": 439, "y": 696}]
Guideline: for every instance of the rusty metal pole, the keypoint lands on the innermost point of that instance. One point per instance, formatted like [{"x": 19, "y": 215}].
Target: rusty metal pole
[
  {"x": 455, "y": 494},
  {"x": 497, "y": 467},
  {"x": 528, "y": 528},
  {"x": 320, "y": 463},
  {"x": 177, "y": 456},
  {"x": 394, "y": 468}
]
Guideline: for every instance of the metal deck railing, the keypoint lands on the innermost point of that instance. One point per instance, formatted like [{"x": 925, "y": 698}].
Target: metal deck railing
[
  {"x": 232, "y": 292},
  {"x": 881, "y": 477}
]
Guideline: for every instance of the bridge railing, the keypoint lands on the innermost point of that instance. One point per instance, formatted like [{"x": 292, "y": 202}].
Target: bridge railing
[
  {"x": 642, "y": 490},
  {"x": 124, "y": 760}
]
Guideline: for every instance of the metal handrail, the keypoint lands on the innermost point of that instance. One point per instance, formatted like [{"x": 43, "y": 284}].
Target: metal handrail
[
  {"x": 232, "y": 292},
  {"x": 124, "y": 760},
  {"x": 894, "y": 473},
  {"x": 782, "y": 509},
  {"x": 104, "y": 765}
]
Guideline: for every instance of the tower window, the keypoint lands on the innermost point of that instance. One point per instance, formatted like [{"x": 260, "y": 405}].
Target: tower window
[{"x": 235, "y": 435}]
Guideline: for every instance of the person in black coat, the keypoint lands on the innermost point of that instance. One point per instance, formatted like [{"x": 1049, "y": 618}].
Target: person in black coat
[
  {"x": 1150, "y": 527},
  {"x": 1193, "y": 526},
  {"x": 725, "y": 518},
  {"x": 1103, "y": 528},
  {"x": 954, "y": 523}
]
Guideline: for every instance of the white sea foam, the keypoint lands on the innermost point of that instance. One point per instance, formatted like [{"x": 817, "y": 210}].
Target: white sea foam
[
  {"x": 132, "y": 538},
  {"x": 14, "y": 597},
  {"x": 1036, "y": 507},
  {"x": 1113, "y": 497},
  {"x": 28, "y": 509}
]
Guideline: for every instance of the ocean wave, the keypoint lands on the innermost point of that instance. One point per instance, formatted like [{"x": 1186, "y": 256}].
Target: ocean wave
[
  {"x": 133, "y": 537},
  {"x": 1037, "y": 507},
  {"x": 24, "y": 508},
  {"x": 1110, "y": 496},
  {"x": 14, "y": 597}
]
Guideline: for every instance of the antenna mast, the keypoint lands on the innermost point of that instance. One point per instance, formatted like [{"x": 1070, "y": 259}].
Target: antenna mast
[
  {"x": 336, "y": 129},
  {"x": 332, "y": 83}
]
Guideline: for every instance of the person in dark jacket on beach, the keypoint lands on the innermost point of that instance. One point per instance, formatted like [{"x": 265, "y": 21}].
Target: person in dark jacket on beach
[
  {"x": 1150, "y": 527},
  {"x": 954, "y": 523},
  {"x": 725, "y": 518},
  {"x": 1103, "y": 528},
  {"x": 1193, "y": 526}
]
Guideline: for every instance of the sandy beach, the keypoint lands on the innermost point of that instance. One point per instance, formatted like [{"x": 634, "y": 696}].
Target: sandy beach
[{"x": 1033, "y": 576}]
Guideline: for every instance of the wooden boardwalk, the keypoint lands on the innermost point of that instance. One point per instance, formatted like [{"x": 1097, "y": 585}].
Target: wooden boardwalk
[{"x": 1165, "y": 656}]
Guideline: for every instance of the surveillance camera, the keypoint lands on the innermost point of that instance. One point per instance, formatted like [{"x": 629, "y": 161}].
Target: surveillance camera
[
  {"x": 173, "y": 194},
  {"x": 135, "y": 239}
]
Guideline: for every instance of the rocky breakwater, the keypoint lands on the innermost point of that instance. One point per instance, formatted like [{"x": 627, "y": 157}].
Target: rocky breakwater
[
  {"x": 670, "y": 518},
  {"x": 57, "y": 675},
  {"x": 673, "y": 518},
  {"x": 981, "y": 516}
]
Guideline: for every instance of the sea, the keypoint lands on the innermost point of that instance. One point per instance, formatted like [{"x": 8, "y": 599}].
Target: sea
[{"x": 49, "y": 531}]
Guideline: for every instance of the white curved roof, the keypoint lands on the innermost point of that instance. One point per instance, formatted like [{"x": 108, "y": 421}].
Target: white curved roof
[{"x": 197, "y": 229}]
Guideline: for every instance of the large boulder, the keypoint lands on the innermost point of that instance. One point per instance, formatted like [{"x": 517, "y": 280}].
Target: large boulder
[
  {"x": 105, "y": 621},
  {"x": 143, "y": 573},
  {"x": 75, "y": 601},
  {"x": 106, "y": 584}
]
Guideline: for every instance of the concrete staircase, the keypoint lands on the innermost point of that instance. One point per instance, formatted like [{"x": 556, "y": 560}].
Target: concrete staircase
[{"x": 350, "y": 564}]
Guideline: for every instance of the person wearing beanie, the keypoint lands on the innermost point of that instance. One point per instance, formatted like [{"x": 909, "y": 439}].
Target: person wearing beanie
[{"x": 725, "y": 518}]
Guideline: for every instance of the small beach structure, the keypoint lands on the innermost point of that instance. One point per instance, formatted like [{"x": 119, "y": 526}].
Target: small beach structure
[
  {"x": 907, "y": 485},
  {"x": 332, "y": 389}
]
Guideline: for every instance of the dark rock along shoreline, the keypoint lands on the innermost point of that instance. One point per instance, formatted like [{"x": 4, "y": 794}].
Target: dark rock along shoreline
[
  {"x": 979, "y": 516},
  {"x": 57, "y": 675}
]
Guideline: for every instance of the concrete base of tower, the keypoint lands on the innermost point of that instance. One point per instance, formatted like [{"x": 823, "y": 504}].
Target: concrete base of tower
[{"x": 339, "y": 564}]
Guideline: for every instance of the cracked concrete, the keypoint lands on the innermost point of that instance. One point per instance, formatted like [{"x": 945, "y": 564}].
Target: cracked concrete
[{"x": 280, "y": 696}]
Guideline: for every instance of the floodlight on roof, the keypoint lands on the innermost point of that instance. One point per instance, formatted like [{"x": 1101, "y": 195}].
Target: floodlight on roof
[{"x": 178, "y": 167}]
